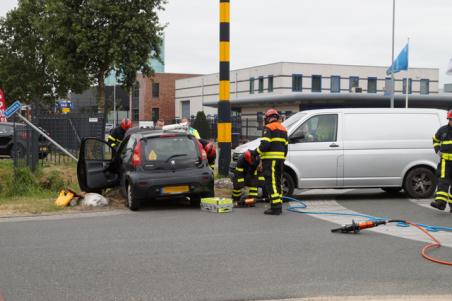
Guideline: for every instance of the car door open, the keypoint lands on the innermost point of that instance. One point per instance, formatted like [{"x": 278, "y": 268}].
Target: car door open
[{"x": 95, "y": 168}]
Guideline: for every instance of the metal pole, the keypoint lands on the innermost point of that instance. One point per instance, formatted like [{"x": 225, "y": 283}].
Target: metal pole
[
  {"x": 407, "y": 78},
  {"x": 392, "y": 57},
  {"x": 46, "y": 136},
  {"x": 224, "y": 106},
  {"x": 114, "y": 105}
]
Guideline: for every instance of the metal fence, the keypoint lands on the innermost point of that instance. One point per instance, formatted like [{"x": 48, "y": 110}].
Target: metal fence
[
  {"x": 244, "y": 129},
  {"x": 67, "y": 130}
]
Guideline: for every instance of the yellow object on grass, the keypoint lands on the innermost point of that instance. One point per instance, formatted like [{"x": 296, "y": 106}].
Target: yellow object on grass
[{"x": 64, "y": 198}]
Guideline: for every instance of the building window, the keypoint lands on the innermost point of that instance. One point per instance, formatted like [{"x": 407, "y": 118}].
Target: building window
[
  {"x": 316, "y": 84},
  {"x": 155, "y": 114},
  {"x": 136, "y": 90},
  {"x": 136, "y": 114},
  {"x": 261, "y": 84},
  {"x": 297, "y": 82},
  {"x": 335, "y": 84},
  {"x": 388, "y": 86},
  {"x": 185, "y": 109},
  {"x": 354, "y": 83},
  {"x": 425, "y": 86},
  {"x": 270, "y": 83},
  {"x": 409, "y": 86},
  {"x": 371, "y": 85},
  {"x": 155, "y": 90},
  {"x": 251, "y": 85}
]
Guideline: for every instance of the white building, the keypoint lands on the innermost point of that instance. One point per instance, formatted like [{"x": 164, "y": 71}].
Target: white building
[{"x": 192, "y": 94}]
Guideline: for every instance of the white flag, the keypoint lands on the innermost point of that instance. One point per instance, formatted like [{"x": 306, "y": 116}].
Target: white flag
[{"x": 449, "y": 68}]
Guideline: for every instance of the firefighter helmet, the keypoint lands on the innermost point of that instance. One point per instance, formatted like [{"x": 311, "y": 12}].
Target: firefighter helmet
[
  {"x": 248, "y": 157},
  {"x": 126, "y": 124},
  {"x": 449, "y": 114},
  {"x": 271, "y": 113}
]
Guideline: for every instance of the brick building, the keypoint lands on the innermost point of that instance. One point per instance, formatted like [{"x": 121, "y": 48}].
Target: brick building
[{"x": 158, "y": 95}]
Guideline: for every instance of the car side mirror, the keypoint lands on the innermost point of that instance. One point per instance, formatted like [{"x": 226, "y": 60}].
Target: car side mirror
[{"x": 297, "y": 137}]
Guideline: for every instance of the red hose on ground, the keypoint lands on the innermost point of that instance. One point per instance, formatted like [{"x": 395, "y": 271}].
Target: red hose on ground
[{"x": 436, "y": 245}]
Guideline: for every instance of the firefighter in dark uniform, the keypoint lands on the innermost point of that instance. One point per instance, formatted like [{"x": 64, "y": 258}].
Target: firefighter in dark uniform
[
  {"x": 247, "y": 173},
  {"x": 273, "y": 152},
  {"x": 442, "y": 143},
  {"x": 211, "y": 151},
  {"x": 117, "y": 134}
]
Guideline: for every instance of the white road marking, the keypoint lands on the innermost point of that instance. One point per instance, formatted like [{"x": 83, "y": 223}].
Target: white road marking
[
  {"x": 63, "y": 216},
  {"x": 390, "y": 229},
  {"x": 426, "y": 203}
]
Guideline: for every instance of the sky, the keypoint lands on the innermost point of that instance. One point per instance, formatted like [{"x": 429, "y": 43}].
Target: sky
[{"x": 311, "y": 31}]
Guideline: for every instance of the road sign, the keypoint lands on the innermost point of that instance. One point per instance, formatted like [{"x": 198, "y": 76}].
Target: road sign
[
  {"x": 2, "y": 107},
  {"x": 13, "y": 109}
]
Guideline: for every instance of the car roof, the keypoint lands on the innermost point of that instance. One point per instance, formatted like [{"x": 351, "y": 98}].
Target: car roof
[{"x": 149, "y": 132}]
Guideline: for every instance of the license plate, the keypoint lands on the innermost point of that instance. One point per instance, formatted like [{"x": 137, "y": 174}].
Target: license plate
[{"x": 175, "y": 189}]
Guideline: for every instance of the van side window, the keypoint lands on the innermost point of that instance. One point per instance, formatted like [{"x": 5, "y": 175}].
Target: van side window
[{"x": 321, "y": 128}]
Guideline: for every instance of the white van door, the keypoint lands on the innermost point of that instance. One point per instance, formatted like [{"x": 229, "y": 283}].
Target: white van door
[{"x": 318, "y": 156}]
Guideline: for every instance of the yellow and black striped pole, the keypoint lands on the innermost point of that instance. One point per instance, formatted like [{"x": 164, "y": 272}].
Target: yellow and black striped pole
[{"x": 224, "y": 106}]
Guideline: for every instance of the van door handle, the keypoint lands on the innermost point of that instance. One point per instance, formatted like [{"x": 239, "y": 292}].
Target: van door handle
[{"x": 334, "y": 145}]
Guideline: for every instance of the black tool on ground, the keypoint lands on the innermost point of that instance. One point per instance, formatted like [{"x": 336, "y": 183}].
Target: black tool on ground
[{"x": 355, "y": 227}]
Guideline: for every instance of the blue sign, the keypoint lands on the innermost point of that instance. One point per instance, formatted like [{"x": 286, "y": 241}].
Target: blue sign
[{"x": 13, "y": 109}]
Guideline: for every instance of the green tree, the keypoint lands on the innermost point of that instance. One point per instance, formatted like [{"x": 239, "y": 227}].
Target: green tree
[
  {"x": 98, "y": 36},
  {"x": 27, "y": 71},
  {"x": 202, "y": 125}
]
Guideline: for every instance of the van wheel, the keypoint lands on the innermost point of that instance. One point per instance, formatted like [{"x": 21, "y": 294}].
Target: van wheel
[
  {"x": 288, "y": 185},
  {"x": 420, "y": 183},
  {"x": 132, "y": 201},
  {"x": 391, "y": 189}
]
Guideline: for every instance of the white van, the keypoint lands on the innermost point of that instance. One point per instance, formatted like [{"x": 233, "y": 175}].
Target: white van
[{"x": 361, "y": 148}]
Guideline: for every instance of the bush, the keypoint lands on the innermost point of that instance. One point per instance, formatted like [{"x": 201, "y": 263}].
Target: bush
[
  {"x": 202, "y": 125},
  {"x": 53, "y": 182},
  {"x": 21, "y": 183}
]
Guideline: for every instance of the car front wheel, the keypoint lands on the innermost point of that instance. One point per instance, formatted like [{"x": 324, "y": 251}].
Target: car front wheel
[
  {"x": 132, "y": 202},
  {"x": 420, "y": 182},
  {"x": 288, "y": 185}
]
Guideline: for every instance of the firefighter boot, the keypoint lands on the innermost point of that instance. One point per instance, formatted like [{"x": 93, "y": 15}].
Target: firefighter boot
[
  {"x": 438, "y": 204},
  {"x": 274, "y": 210}
]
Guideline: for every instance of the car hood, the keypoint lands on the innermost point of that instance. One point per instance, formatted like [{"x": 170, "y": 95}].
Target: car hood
[{"x": 250, "y": 145}]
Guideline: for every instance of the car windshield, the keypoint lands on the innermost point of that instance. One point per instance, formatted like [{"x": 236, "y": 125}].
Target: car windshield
[
  {"x": 289, "y": 122},
  {"x": 169, "y": 148}
]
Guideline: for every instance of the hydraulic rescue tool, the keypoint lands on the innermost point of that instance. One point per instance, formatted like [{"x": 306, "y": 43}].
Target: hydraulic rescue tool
[{"x": 355, "y": 227}]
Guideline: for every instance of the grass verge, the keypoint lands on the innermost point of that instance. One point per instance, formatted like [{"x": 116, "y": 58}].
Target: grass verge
[{"x": 25, "y": 192}]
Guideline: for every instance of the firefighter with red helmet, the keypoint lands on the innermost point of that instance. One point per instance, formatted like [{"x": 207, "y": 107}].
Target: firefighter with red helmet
[
  {"x": 442, "y": 143},
  {"x": 117, "y": 134},
  {"x": 273, "y": 151},
  {"x": 211, "y": 151},
  {"x": 246, "y": 174}
]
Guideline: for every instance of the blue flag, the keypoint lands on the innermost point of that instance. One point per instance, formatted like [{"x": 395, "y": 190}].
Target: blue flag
[{"x": 401, "y": 62}]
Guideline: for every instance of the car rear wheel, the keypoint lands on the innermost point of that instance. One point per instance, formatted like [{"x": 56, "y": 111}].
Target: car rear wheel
[
  {"x": 17, "y": 151},
  {"x": 420, "y": 182},
  {"x": 132, "y": 202},
  {"x": 195, "y": 201}
]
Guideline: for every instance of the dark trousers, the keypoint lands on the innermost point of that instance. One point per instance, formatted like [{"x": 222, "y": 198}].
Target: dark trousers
[
  {"x": 241, "y": 180},
  {"x": 273, "y": 170},
  {"x": 444, "y": 172}
]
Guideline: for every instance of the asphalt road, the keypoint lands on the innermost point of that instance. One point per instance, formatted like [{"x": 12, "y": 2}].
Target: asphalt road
[{"x": 172, "y": 252}]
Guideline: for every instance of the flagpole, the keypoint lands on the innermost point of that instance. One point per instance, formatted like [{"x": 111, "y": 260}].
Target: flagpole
[
  {"x": 407, "y": 79},
  {"x": 392, "y": 59}
]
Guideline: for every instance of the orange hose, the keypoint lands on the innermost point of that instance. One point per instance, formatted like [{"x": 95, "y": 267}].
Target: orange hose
[{"x": 436, "y": 245}]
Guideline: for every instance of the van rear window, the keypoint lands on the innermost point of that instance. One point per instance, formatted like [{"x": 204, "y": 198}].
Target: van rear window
[{"x": 171, "y": 147}]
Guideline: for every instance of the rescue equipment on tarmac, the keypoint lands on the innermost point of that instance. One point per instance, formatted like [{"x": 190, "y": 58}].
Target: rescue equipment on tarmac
[
  {"x": 373, "y": 221},
  {"x": 216, "y": 204}
]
